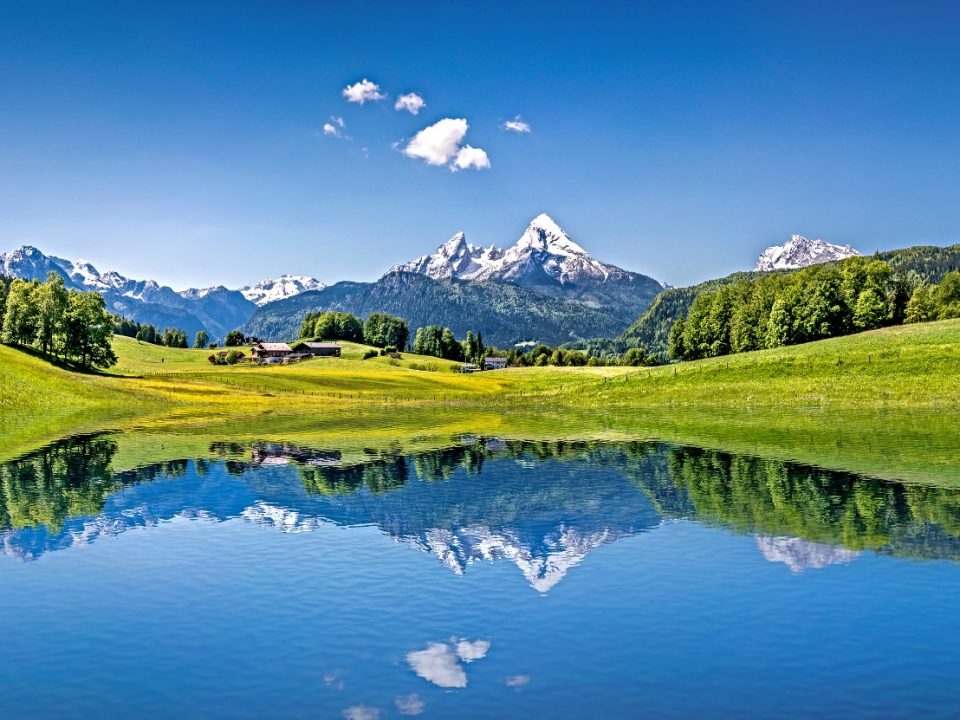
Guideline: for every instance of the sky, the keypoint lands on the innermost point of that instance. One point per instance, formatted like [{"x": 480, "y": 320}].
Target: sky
[{"x": 203, "y": 143}]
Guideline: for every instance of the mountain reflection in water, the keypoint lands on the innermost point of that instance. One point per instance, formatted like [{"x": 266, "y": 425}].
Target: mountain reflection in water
[{"x": 542, "y": 506}]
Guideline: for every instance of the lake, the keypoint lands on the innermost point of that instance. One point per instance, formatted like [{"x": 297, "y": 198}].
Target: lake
[{"x": 486, "y": 578}]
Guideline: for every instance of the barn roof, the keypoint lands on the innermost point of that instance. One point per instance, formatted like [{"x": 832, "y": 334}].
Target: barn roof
[{"x": 319, "y": 345}]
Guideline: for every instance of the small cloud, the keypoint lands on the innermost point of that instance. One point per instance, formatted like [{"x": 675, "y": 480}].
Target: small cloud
[
  {"x": 361, "y": 712},
  {"x": 333, "y": 680},
  {"x": 517, "y": 681},
  {"x": 362, "y": 92},
  {"x": 440, "y": 144},
  {"x": 441, "y": 663},
  {"x": 517, "y": 125},
  {"x": 335, "y": 127},
  {"x": 409, "y": 704},
  {"x": 411, "y": 102},
  {"x": 470, "y": 157},
  {"x": 470, "y": 651}
]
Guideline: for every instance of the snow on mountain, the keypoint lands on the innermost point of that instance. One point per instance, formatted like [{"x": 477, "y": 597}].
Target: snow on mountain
[
  {"x": 800, "y": 252},
  {"x": 216, "y": 310},
  {"x": 268, "y": 291},
  {"x": 455, "y": 258},
  {"x": 544, "y": 254},
  {"x": 27, "y": 263},
  {"x": 565, "y": 548},
  {"x": 799, "y": 554}
]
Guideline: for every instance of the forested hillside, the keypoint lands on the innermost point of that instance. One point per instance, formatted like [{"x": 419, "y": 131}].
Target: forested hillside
[
  {"x": 926, "y": 264},
  {"x": 505, "y": 314}
]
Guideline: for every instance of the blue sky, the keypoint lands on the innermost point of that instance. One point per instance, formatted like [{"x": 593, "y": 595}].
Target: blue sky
[{"x": 184, "y": 141}]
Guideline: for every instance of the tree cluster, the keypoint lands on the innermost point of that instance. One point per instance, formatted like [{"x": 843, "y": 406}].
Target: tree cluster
[
  {"x": 234, "y": 338},
  {"x": 438, "y": 342},
  {"x": 774, "y": 310},
  {"x": 332, "y": 325},
  {"x": 543, "y": 355},
  {"x": 145, "y": 332},
  {"x": 935, "y": 302},
  {"x": 382, "y": 330},
  {"x": 67, "y": 324}
]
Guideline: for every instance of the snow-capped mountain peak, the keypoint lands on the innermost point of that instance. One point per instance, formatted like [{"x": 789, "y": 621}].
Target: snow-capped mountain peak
[
  {"x": 544, "y": 255},
  {"x": 544, "y": 235},
  {"x": 268, "y": 291},
  {"x": 800, "y": 252}
]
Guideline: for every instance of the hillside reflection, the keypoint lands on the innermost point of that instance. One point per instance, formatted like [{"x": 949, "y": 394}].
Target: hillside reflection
[{"x": 542, "y": 506}]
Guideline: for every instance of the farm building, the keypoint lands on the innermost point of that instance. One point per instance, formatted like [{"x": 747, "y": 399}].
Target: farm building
[
  {"x": 494, "y": 363},
  {"x": 264, "y": 350},
  {"x": 318, "y": 349}
]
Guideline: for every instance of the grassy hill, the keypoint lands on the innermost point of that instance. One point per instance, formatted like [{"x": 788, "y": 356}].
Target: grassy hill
[{"x": 882, "y": 403}]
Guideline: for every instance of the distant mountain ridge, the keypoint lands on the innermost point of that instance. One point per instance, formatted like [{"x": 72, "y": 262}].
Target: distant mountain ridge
[
  {"x": 283, "y": 287},
  {"x": 799, "y": 252}
]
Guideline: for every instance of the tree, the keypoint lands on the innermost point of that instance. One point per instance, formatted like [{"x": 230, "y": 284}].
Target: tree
[
  {"x": 234, "y": 339},
  {"x": 3, "y": 301},
  {"x": 306, "y": 327},
  {"x": 20, "y": 317},
  {"x": 469, "y": 347},
  {"x": 922, "y": 306},
  {"x": 780, "y": 325},
  {"x": 148, "y": 333},
  {"x": 948, "y": 296},
  {"x": 201, "y": 339},
  {"x": 676, "y": 347},
  {"x": 50, "y": 298},
  {"x": 871, "y": 310},
  {"x": 450, "y": 349},
  {"x": 635, "y": 357},
  {"x": 88, "y": 330}
]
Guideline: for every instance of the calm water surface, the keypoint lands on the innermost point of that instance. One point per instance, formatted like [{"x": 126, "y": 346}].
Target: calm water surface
[{"x": 489, "y": 579}]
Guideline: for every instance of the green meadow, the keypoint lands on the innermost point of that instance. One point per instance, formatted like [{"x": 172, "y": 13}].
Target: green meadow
[{"x": 882, "y": 403}]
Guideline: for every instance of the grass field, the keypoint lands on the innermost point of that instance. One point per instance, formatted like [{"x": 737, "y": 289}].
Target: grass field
[{"x": 882, "y": 403}]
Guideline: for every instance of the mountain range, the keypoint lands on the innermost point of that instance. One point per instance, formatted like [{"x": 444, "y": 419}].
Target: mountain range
[
  {"x": 216, "y": 310},
  {"x": 543, "y": 288}
]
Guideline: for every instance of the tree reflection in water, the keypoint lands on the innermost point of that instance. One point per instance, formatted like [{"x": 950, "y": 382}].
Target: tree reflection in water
[{"x": 543, "y": 505}]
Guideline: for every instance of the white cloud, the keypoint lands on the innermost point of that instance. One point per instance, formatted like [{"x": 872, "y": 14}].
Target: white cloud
[
  {"x": 439, "y": 144},
  {"x": 439, "y": 664},
  {"x": 334, "y": 127},
  {"x": 409, "y": 704},
  {"x": 361, "y": 712},
  {"x": 411, "y": 102},
  {"x": 517, "y": 125},
  {"x": 362, "y": 92},
  {"x": 470, "y": 157}
]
